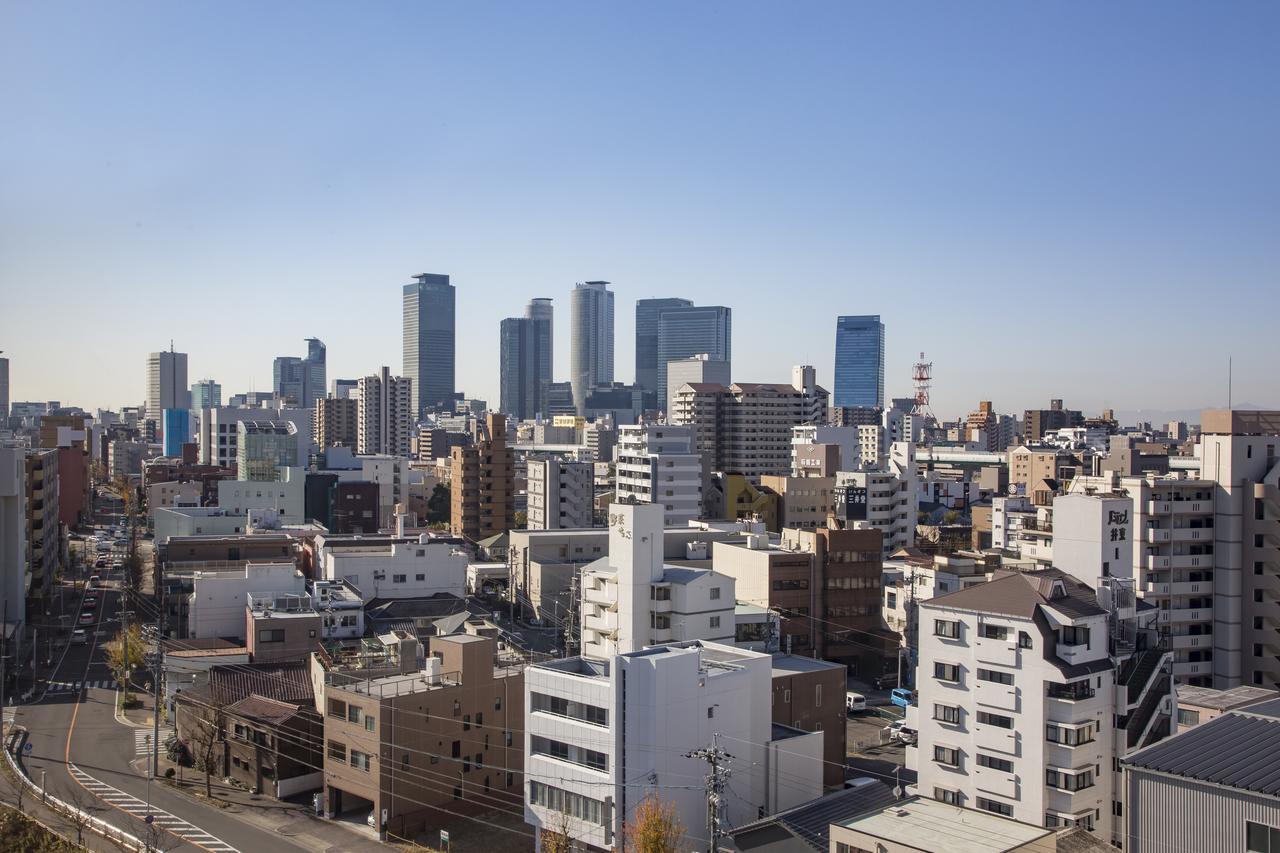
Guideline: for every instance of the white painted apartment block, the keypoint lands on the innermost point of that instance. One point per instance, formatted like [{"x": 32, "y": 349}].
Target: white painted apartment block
[
  {"x": 285, "y": 495},
  {"x": 893, "y": 498},
  {"x": 1021, "y": 683},
  {"x": 393, "y": 567},
  {"x": 657, "y": 465},
  {"x": 599, "y": 735},
  {"x": 217, "y": 604},
  {"x": 631, "y": 600},
  {"x": 561, "y": 494},
  {"x": 219, "y": 432}
]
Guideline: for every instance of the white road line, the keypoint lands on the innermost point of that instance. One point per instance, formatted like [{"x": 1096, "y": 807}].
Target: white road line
[{"x": 136, "y": 807}]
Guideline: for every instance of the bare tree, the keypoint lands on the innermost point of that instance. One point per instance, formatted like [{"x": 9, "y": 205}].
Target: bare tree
[{"x": 206, "y": 738}]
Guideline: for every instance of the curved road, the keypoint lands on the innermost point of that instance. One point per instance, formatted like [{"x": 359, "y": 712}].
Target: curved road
[{"x": 85, "y": 754}]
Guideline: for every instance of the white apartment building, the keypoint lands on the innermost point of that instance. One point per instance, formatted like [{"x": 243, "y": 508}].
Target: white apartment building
[
  {"x": 745, "y": 428},
  {"x": 1030, "y": 687},
  {"x": 217, "y": 601},
  {"x": 601, "y": 734},
  {"x": 341, "y": 609},
  {"x": 284, "y": 495},
  {"x": 219, "y": 432},
  {"x": 892, "y": 497},
  {"x": 385, "y": 421},
  {"x": 631, "y": 599},
  {"x": 560, "y": 494},
  {"x": 657, "y": 465},
  {"x": 393, "y": 567}
]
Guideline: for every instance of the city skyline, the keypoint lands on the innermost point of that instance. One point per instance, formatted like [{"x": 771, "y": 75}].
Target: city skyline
[{"x": 910, "y": 175}]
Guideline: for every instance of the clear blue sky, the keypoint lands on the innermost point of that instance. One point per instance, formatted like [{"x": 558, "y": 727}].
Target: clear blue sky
[{"x": 1078, "y": 200}]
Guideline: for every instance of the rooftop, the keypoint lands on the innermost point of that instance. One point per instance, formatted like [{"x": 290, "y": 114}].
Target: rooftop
[
  {"x": 924, "y": 824},
  {"x": 1240, "y": 749}
]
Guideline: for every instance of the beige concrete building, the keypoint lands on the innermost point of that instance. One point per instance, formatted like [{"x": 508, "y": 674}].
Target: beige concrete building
[
  {"x": 482, "y": 483},
  {"x": 336, "y": 422},
  {"x": 407, "y": 740}
]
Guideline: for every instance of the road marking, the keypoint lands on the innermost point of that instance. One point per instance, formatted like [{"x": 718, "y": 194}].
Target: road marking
[{"x": 139, "y": 809}]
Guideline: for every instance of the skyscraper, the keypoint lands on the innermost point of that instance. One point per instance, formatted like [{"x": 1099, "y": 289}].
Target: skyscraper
[
  {"x": 526, "y": 361},
  {"x": 591, "y": 347},
  {"x": 166, "y": 385},
  {"x": 647, "y": 312},
  {"x": 300, "y": 381},
  {"x": 859, "y": 379},
  {"x": 206, "y": 394},
  {"x": 691, "y": 330},
  {"x": 429, "y": 326}
]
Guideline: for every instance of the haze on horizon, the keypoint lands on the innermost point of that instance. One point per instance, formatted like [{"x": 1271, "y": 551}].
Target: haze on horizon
[{"x": 1049, "y": 200}]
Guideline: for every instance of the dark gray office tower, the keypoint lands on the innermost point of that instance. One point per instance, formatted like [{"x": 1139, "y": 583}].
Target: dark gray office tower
[
  {"x": 647, "y": 312},
  {"x": 429, "y": 324},
  {"x": 526, "y": 361},
  {"x": 300, "y": 381},
  {"x": 591, "y": 345},
  {"x": 689, "y": 330}
]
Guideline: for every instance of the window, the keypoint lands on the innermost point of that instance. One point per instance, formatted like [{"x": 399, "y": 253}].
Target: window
[
  {"x": 946, "y": 628},
  {"x": 1260, "y": 838},
  {"x": 994, "y": 632},
  {"x": 360, "y": 760},
  {"x": 1188, "y": 718},
  {"x": 1068, "y": 735},
  {"x": 946, "y": 714},
  {"x": 1004, "y": 765},
  {"x": 946, "y": 671},
  {"x": 715, "y": 593},
  {"x": 993, "y": 806},
  {"x": 946, "y": 795},
  {"x": 715, "y": 621},
  {"x": 337, "y": 752},
  {"x": 995, "y": 677},
  {"x": 946, "y": 755},
  {"x": 997, "y": 720},
  {"x": 1073, "y": 635},
  {"x": 271, "y": 635}
]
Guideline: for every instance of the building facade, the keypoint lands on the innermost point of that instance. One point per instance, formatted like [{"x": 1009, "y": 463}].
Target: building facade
[{"x": 429, "y": 343}]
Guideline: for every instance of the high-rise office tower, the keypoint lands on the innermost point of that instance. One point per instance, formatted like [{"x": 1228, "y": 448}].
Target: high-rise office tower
[
  {"x": 647, "y": 312},
  {"x": 166, "y": 385},
  {"x": 692, "y": 330},
  {"x": 591, "y": 347},
  {"x": 384, "y": 414},
  {"x": 429, "y": 323},
  {"x": 300, "y": 381},
  {"x": 206, "y": 394},
  {"x": 526, "y": 361},
  {"x": 859, "y": 379}
]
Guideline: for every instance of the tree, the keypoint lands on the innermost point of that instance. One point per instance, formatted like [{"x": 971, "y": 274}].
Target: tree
[
  {"x": 656, "y": 827},
  {"x": 126, "y": 657},
  {"x": 206, "y": 738},
  {"x": 439, "y": 505}
]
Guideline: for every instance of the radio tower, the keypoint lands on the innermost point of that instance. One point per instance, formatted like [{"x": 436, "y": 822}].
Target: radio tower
[{"x": 922, "y": 376}]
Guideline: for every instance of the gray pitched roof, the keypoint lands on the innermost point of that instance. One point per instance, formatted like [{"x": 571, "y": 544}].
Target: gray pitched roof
[
  {"x": 807, "y": 826},
  {"x": 1240, "y": 749}
]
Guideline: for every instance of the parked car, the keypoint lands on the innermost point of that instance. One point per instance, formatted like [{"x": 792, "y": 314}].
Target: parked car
[
  {"x": 902, "y": 697},
  {"x": 855, "y": 703}
]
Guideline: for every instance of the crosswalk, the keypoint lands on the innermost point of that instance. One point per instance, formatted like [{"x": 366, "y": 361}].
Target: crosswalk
[
  {"x": 142, "y": 740},
  {"x": 77, "y": 686},
  {"x": 160, "y": 817}
]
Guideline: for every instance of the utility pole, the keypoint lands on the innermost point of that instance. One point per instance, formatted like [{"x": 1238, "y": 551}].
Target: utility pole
[{"x": 717, "y": 778}]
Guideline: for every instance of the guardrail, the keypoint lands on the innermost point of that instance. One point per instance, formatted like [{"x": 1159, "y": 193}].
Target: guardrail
[{"x": 18, "y": 734}]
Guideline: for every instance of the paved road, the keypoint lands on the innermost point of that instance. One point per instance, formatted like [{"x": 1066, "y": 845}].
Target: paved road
[{"x": 85, "y": 754}]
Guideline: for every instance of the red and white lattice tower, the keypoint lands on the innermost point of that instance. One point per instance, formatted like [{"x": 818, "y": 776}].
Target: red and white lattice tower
[{"x": 922, "y": 376}]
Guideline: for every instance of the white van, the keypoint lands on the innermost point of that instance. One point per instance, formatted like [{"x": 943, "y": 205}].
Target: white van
[{"x": 855, "y": 703}]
